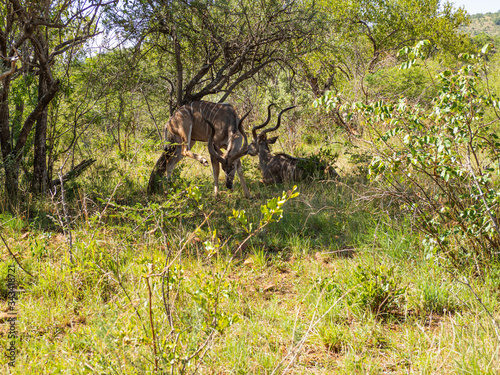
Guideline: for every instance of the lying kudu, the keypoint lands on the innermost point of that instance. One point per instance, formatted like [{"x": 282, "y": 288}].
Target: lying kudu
[
  {"x": 282, "y": 167},
  {"x": 186, "y": 127}
]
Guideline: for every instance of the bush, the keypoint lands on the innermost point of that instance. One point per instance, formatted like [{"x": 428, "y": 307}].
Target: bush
[
  {"x": 377, "y": 289},
  {"x": 370, "y": 288},
  {"x": 442, "y": 164}
]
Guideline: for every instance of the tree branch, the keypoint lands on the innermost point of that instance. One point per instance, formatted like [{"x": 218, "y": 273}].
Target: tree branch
[
  {"x": 12, "y": 69},
  {"x": 73, "y": 173}
]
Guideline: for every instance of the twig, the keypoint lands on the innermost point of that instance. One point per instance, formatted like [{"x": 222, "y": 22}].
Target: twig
[
  {"x": 13, "y": 256},
  {"x": 312, "y": 324},
  {"x": 151, "y": 115},
  {"x": 65, "y": 211},
  {"x": 151, "y": 320},
  {"x": 478, "y": 299},
  {"x": 166, "y": 296},
  {"x": 73, "y": 173},
  {"x": 481, "y": 194}
]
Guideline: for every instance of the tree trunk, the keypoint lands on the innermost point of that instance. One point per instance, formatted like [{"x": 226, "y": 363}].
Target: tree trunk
[
  {"x": 11, "y": 177},
  {"x": 39, "y": 183},
  {"x": 12, "y": 156}
]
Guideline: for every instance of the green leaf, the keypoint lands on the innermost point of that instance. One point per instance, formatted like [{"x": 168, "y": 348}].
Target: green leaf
[{"x": 486, "y": 48}]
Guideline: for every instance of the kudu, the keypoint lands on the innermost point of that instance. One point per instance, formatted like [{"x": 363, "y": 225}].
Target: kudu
[
  {"x": 187, "y": 126},
  {"x": 282, "y": 167}
]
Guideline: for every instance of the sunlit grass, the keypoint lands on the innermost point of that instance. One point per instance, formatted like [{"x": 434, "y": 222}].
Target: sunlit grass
[{"x": 292, "y": 286}]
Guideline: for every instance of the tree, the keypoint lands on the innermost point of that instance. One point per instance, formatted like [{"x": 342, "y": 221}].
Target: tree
[
  {"x": 33, "y": 35},
  {"x": 365, "y": 32},
  {"x": 206, "y": 47}
]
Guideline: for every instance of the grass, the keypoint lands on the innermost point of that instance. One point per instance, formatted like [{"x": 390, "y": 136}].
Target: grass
[{"x": 336, "y": 286}]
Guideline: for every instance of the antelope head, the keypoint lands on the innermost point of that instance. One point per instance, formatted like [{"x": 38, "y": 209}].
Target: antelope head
[
  {"x": 229, "y": 161},
  {"x": 261, "y": 139},
  {"x": 253, "y": 147}
]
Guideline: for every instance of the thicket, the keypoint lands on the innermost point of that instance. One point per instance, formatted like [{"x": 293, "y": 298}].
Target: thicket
[{"x": 440, "y": 162}]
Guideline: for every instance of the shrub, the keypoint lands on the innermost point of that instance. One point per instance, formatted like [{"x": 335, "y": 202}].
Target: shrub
[
  {"x": 442, "y": 164},
  {"x": 370, "y": 288},
  {"x": 378, "y": 289}
]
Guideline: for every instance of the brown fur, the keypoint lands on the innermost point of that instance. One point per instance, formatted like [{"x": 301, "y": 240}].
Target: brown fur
[{"x": 187, "y": 126}]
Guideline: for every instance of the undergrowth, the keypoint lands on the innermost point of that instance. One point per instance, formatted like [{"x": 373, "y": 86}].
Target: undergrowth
[{"x": 186, "y": 282}]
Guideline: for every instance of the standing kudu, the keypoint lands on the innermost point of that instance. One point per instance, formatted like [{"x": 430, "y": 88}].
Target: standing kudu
[
  {"x": 281, "y": 167},
  {"x": 215, "y": 154},
  {"x": 187, "y": 126}
]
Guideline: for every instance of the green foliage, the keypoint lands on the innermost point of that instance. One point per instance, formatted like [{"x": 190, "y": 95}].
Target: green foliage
[
  {"x": 192, "y": 41},
  {"x": 209, "y": 291},
  {"x": 38, "y": 246},
  {"x": 360, "y": 158},
  {"x": 146, "y": 216},
  {"x": 319, "y": 165},
  {"x": 212, "y": 314},
  {"x": 369, "y": 288},
  {"x": 442, "y": 163},
  {"x": 7, "y": 220},
  {"x": 437, "y": 298},
  {"x": 377, "y": 289},
  {"x": 364, "y": 36},
  {"x": 272, "y": 211},
  {"x": 334, "y": 338},
  {"x": 246, "y": 311},
  {"x": 393, "y": 83}
]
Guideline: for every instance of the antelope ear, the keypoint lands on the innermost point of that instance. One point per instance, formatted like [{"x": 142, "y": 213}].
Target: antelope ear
[{"x": 272, "y": 140}]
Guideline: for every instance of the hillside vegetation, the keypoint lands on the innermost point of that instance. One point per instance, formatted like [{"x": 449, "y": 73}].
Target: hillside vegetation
[
  {"x": 488, "y": 23},
  {"x": 391, "y": 267}
]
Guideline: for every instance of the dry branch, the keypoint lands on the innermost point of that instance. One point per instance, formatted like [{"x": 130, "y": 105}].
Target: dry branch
[{"x": 73, "y": 173}]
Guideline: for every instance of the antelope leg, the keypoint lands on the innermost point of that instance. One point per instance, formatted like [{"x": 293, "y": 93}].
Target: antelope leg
[
  {"x": 186, "y": 151},
  {"x": 239, "y": 169},
  {"x": 215, "y": 172}
]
